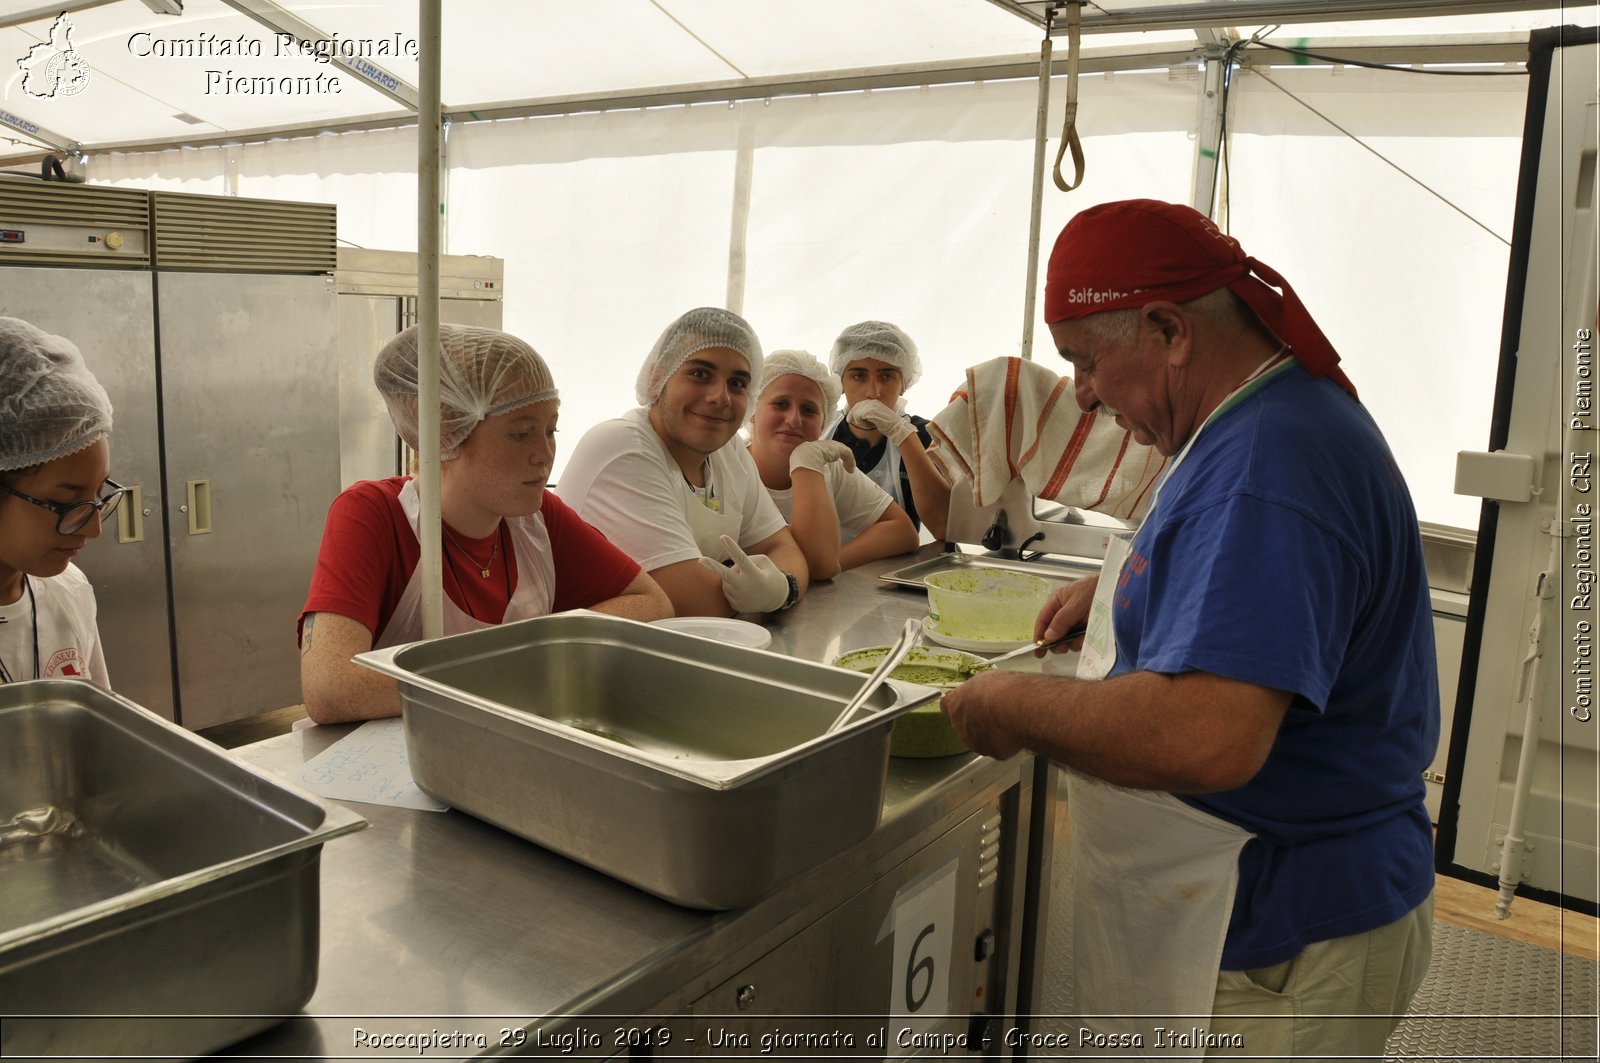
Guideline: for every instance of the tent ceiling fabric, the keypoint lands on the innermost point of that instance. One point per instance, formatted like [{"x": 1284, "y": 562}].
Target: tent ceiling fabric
[
  {"x": 204, "y": 74},
  {"x": 494, "y": 51}
]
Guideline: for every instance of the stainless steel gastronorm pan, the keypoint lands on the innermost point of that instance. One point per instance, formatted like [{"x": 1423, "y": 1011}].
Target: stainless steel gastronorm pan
[
  {"x": 692, "y": 769},
  {"x": 1054, "y": 570},
  {"x": 146, "y": 872}
]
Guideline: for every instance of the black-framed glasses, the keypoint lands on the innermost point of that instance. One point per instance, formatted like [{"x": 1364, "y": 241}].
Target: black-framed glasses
[{"x": 72, "y": 516}]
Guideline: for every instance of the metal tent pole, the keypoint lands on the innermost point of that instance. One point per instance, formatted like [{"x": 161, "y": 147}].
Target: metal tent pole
[{"x": 429, "y": 208}]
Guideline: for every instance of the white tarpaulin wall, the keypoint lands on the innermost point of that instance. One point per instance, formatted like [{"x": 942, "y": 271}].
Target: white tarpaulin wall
[
  {"x": 912, "y": 205},
  {"x": 1410, "y": 292}
]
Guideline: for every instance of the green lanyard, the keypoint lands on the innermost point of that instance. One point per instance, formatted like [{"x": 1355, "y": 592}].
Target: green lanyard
[
  {"x": 1254, "y": 383},
  {"x": 1264, "y": 374}
]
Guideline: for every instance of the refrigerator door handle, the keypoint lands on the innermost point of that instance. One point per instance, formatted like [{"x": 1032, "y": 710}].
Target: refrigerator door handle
[
  {"x": 130, "y": 517},
  {"x": 199, "y": 507}
]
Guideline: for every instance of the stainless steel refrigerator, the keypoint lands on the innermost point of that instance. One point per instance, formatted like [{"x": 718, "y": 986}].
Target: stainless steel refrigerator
[
  {"x": 377, "y": 299},
  {"x": 213, "y": 324}
]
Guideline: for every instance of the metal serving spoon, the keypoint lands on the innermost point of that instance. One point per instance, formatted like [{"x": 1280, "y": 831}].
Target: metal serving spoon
[
  {"x": 897, "y": 653},
  {"x": 1039, "y": 644}
]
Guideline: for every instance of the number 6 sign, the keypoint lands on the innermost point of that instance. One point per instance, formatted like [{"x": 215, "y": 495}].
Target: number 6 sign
[{"x": 922, "y": 923}]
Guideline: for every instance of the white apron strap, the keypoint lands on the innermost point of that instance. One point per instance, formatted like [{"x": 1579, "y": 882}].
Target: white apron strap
[
  {"x": 708, "y": 525},
  {"x": 536, "y": 569},
  {"x": 534, "y": 595},
  {"x": 886, "y": 474},
  {"x": 1152, "y": 882},
  {"x": 1099, "y": 651}
]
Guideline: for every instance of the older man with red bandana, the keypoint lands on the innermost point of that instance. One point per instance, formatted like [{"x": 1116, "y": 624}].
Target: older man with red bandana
[{"x": 1257, "y": 694}]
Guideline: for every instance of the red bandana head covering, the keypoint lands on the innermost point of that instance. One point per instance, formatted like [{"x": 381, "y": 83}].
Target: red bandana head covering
[{"x": 1123, "y": 255}]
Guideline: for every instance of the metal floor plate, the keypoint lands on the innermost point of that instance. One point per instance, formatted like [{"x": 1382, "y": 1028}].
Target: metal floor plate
[
  {"x": 1488, "y": 997},
  {"x": 1485, "y": 997}
]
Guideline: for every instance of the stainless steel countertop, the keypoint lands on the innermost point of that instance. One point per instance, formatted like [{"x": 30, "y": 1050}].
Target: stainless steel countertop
[{"x": 431, "y": 916}]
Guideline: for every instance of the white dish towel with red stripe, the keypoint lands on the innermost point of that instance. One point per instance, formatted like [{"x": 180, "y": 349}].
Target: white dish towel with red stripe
[{"x": 1015, "y": 419}]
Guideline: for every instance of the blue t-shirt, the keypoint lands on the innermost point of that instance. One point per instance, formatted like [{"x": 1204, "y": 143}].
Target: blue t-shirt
[{"x": 1284, "y": 551}]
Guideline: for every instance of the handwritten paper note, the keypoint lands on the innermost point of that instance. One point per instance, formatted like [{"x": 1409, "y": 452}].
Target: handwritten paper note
[{"x": 371, "y": 765}]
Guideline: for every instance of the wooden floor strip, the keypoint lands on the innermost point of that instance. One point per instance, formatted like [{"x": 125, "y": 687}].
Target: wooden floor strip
[{"x": 1469, "y": 905}]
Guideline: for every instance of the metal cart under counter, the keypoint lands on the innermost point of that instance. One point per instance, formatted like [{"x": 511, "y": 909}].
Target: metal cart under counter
[{"x": 445, "y": 937}]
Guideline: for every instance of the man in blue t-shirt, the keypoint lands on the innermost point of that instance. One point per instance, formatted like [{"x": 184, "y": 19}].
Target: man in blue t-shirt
[{"x": 1273, "y": 699}]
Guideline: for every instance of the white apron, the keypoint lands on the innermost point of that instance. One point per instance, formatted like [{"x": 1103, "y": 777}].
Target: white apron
[
  {"x": 886, "y": 474},
  {"x": 1153, "y": 878},
  {"x": 536, "y": 580},
  {"x": 709, "y": 525}
]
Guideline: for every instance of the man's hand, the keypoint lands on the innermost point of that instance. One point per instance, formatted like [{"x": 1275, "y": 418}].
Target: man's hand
[
  {"x": 976, "y": 710},
  {"x": 1066, "y": 608},
  {"x": 874, "y": 415},
  {"x": 753, "y": 584}
]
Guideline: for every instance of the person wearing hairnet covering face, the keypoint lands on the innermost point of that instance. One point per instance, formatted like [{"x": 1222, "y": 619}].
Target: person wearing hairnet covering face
[
  {"x": 671, "y": 486},
  {"x": 839, "y": 517},
  {"x": 877, "y": 363},
  {"x": 511, "y": 549},
  {"x": 55, "y": 490}
]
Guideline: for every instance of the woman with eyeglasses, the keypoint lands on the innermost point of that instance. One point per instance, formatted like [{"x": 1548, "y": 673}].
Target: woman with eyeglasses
[{"x": 55, "y": 489}]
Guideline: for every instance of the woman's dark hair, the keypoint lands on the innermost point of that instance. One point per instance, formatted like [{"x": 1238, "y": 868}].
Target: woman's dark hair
[{"x": 10, "y": 477}]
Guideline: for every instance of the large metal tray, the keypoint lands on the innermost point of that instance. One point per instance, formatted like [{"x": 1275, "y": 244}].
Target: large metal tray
[
  {"x": 695, "y": 770},
  {"x": 1055, "y": 569},
  {"x": 160, "y": 884}
]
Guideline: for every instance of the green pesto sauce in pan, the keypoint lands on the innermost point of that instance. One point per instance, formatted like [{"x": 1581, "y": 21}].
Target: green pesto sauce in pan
[
  {"x": 929, "y": 675},
  {"x": 944, "y": 669}
]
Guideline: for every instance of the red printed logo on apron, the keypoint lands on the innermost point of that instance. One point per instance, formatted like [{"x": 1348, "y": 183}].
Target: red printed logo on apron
[{"x": 64, "y": 663}]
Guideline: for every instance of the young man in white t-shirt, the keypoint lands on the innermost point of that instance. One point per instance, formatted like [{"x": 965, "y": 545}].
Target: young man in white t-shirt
[
  {"x": 55, "y": 490},
  {"x": 670, "y": 485}
]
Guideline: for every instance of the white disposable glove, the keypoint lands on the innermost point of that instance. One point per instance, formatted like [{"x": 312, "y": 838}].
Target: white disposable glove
[
  {"x": 870, "y": 413},
  {"x": 819, "y": 453},
  {"x": 753, "y": 584}
]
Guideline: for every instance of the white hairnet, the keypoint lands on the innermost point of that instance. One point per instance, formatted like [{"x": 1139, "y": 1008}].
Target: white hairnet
[
  {"x": 50, "y": 404},
  {"x": 799, "y": 363},
  {"x": 482, "y": 372},
  {"x": 880, "y": 340},
  {"x": 698, "y": 330}
]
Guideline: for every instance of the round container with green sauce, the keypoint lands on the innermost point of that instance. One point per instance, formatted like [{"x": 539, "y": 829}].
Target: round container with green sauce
[
  {"x": 985, "y": 605},
  {"x": 924, "y": 731}
]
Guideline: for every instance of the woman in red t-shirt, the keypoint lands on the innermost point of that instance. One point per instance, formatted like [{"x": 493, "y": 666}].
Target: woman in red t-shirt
[{"x": 511, "y": 550}]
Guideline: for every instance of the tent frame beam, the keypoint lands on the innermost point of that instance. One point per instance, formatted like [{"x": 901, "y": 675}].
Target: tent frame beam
[
  {"x": 50, "y": 11},
  {"x": 1261, "y": 12},
  {"x": 1489, "y": 49},
  {"x": 281, "y": 20}
]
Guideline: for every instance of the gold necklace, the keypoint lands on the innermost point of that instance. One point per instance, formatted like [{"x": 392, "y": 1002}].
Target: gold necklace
[{"x": 494, "y": 553}]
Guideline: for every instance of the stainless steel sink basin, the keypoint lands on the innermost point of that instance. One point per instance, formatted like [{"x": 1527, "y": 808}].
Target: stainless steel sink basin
[
  {"x": 145, "y": 872},
  {"x": 695, "y": 770}
]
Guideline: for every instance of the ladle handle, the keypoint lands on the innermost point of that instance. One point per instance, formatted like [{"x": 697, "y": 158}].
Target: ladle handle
[
  {"x": 1032, "y": 647},
  {"x": 896, "y": 654}
]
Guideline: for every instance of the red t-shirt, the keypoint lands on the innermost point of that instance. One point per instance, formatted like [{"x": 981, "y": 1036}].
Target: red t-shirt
[{"x": 368, "y": 553}]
